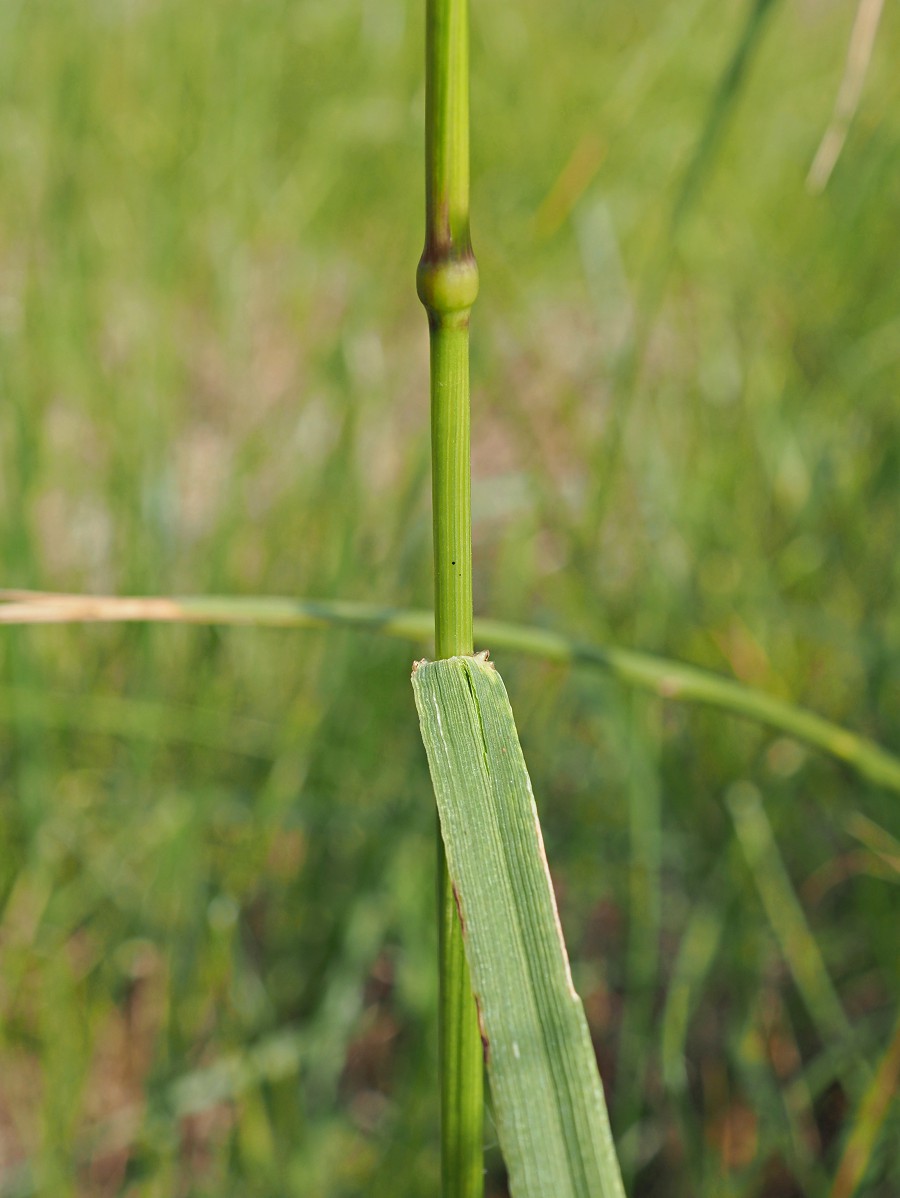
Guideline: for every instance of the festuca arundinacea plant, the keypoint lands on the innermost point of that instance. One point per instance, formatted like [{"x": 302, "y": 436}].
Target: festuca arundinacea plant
[{"x": 497, "y": 905}]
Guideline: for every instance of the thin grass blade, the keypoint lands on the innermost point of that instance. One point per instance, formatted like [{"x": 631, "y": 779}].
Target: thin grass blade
[
  {"x": 721, "y": 107},
  {"x": 661, "y": 676},
  {"x": 881, "y": 1094}
]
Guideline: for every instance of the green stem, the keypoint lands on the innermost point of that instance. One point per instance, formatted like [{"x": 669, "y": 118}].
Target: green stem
[
  {"x": 447, "y": 283},
  {"x": 658, "y": 675},
  {"x": 461, "y": 1055},
  {"x": 451, "y": 490}
]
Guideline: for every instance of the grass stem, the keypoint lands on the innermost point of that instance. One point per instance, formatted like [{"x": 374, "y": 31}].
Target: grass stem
[{"x": 447, "y": 284}]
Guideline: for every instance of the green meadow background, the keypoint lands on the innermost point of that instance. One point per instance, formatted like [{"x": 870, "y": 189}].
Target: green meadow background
[{"x": 217, "y": 945}]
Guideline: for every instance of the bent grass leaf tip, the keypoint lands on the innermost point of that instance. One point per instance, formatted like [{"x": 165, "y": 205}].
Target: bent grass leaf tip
[{"x": 548, "y": 1098}]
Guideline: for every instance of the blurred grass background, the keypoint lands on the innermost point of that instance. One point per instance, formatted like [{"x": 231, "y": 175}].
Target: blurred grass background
[{"x": 216, "y": 872}]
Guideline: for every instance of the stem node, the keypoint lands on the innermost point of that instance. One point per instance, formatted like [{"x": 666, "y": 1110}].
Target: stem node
[{"x": 447, "y": 285}]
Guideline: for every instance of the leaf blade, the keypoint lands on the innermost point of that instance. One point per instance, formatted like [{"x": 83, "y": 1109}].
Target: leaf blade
[{"x": 548, "y": 1098}]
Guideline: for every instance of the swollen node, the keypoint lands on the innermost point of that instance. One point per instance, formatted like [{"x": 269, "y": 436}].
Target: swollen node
[{"x": 448, "y": 287}]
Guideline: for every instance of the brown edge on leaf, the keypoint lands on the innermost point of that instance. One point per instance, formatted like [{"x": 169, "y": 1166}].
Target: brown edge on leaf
[
  {"x": 482, "y": 1031},
  {"x": 460, "y": 916}
]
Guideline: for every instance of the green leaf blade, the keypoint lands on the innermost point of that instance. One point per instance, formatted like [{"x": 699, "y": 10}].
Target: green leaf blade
[{"x": 548, "y": 1099}]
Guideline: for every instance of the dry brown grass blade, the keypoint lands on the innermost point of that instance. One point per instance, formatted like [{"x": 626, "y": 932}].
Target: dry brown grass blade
[
  {"x": 37, "y": 607},
  {"x": 859, "y": 55}
]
